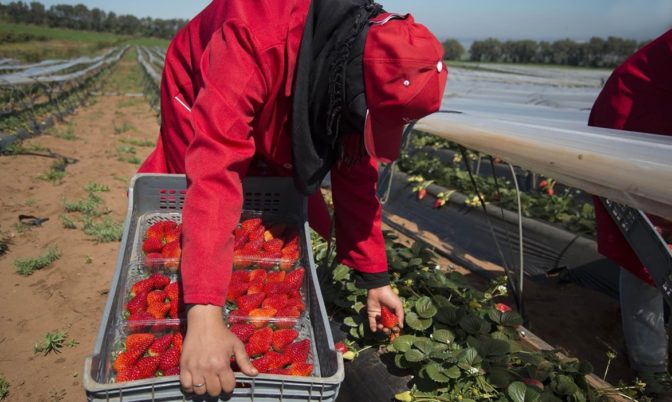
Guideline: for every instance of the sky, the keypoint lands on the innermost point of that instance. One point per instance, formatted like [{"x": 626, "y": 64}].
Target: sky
[{"x": 467, "y": 20}]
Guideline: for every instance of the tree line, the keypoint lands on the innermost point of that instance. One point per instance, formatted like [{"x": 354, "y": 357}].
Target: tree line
[
  {"x": 80, "y": 17},
  {"x": 596, "y": 52}
]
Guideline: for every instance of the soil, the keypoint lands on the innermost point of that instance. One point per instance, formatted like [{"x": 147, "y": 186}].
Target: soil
[{"x": 70, "y": 294}]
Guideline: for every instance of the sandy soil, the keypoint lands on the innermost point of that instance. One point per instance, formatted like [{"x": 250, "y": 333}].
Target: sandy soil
[{"x": 70, "y": 294}]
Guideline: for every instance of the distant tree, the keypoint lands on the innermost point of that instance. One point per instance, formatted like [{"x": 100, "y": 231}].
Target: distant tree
[
  {"x": 452, "y": 49},
  {"x": 486, "y": 50},
  {"x": 38, "y": 13}
]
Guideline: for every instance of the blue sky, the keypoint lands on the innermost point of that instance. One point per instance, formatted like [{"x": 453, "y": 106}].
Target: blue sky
[{"x": 477, "y": 19}]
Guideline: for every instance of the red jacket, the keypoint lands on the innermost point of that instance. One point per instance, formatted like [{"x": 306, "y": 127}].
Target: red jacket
[
  {"x": 637, "y": 97},
  {"x": 225, "y": 105}
]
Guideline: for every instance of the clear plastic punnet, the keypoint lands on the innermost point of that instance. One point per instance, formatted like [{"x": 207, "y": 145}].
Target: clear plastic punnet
[
  {"x": 268, "y": 241},
  {"x": 157, "y": 242},
  {"x": 150, "y": 302}
]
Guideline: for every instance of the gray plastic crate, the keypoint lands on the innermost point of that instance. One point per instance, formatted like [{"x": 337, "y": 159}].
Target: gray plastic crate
[
  {"x": 166, "y": 193},
  {"x": 649, "y": 246}
]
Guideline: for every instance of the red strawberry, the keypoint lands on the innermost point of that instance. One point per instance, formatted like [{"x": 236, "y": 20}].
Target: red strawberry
[
  {"x": 250, "y": 224},
  {"x": 237, "y": 289},
  {"x": 296, "y": 302},
  {"x": 439, "y": 202},
  {"x": 156, "y": 296},
  {"x": 298, "y": 351},
  {"x": 126, "y": 359},
  {"x": 240, "y": 276},
  {"x": 242, "y": 331},
  {"x": 237, "y": 317},
  {"x": 177, "y": 341},
  {"x": 172, "y": 233},
  {"x": 250, "y": 302},
  {"x": 160, "y": 345},
  {"x": 300, "y": 369},
  {"x": 388, "y": 318},
  {"x": 257, "y": 234},
  {"x": 292, "y": 242},
  {"x": 258, "y": 275},
  {"x": 533, "y": 383},
  {"x": 139, "y": 321},
  {"x": 152, "y": 245},
  {"x": 259, "y": 317},
  {"x": 261, "y": 364},
  {"x": 239, "y": 238},
  {"x": 276, "y": 360},
  {"x": 169, "y": 359},
  {"x": 550, "y": 191},
  {"x": 158, "y": 310},
  {"x": 172, "y": 291},
  {"x": 279, "y": 371},
  {"x": 253, "y": 246},
  {"x": 259, "y": 342},
  {"x": 289, "y": 259},
  {"x": 139, "y": 342},
  {"x": 138, "y": 303},
  {"x": 282, "y": 338},
  {"x": 171, "y": 371},
  {"x": 276, "y": 288},
  {"x": 174, "y": 310},
  {"x": 142, "y": 286},
  {"x": 502, "y": 308},
  {"x": 155, "y": 231},
  {"x": 256, "y": 286},
  {"x": 153, "y": 261},
  {"x": 128, "y": 374},
  {"x": 422, "y": 193},
  {"x": 341, "y": 347},
  {"x": 277, "y": 302},
  {"x": 147, "y": 367},
  {"x": 293, "y": 294},
  {"x": 273, "y": 245},
  {"x": 543, "y": 183},
  {"x": 242, "y": 259},
  {"x": 172, "y": 252},
  {"x": 159, "y": 281},
  {"x": 287, "y": 317},
  {"x": 268, "y": 259},
  {"x": 277, "y": 276},
  {"x": 295, "y": 278}
]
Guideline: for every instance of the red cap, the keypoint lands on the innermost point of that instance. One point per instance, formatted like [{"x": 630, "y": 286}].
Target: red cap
[{"x": 404, "y": 79}]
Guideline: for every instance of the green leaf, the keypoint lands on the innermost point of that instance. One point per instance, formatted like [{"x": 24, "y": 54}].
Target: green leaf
[
  {"x": 415, "y": 262},
  {"x": 425, "y": 308},
  {"x": 453, "y": 372},
  {"x": 563, "y": 385},
  {"x": 341, "y": 273},
  {"x": 531, "y": 358},
  {"x": 474, "y": 325},
  {"x": 516, "y": 391},
  {"x": 350, "y": 322},
  {"x": 414, "y": 356},
  {"x": 354, "y": 333},
  {"x": 403, "y": 343},
  {"x": 499, "y": 377},
  {"x": 417, "y": 323},
  {"x": 358, "y": 306},
  {"x": 425, "y": 345},
  {"x": 493, "y": 347},
  {"x": 511, "y": 319},
  {"x": 585, "y": 368},
  {"x": 436, "y": 373},
  {"x": 401, "y": 362},
  {"x": 442, "y": 301},
  {"x": 541, "y": 371},
  {"x": 406, "y": 253},
  {"x": 443, "y": 336},
  {"x": 447, "y": 315},
  {"x": 469, "y": 356}
]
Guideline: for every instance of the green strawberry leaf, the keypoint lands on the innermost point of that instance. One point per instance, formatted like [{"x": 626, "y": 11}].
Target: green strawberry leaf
[
  {"x": 443, "y": 336},
  {"x": 350, "y": 322},
  {"x": 414, "y": 356},
  {"x": 516, "y": 391},
  {"x": 425, "y": 308},
  {"x": 437, "y": 373},
  {"x": 425, "y": 345},
  {"x": 417, "y": 323},
  {"x": 403, "y": 343}
]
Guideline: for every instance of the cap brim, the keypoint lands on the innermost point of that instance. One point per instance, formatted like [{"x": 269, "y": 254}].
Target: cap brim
[{"x": 382, "y": 141}]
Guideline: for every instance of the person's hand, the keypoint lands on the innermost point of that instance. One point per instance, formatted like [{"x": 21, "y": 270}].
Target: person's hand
[
  {"x": 207, "y": 351},
  {"x": 383, "y": 296}
]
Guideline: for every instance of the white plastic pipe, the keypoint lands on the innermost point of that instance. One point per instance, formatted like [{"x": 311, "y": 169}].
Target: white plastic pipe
[{"x": 631, "y": 168}]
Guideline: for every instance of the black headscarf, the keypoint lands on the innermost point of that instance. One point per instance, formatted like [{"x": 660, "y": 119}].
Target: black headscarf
[{"x": 328, "y": 94}]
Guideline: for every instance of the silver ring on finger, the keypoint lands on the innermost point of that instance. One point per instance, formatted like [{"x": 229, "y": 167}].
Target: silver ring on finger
[{"x": 199, "y": 385}]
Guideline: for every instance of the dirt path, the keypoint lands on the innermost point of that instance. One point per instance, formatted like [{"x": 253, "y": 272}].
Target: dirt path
[{"x": 107, "y": 137}]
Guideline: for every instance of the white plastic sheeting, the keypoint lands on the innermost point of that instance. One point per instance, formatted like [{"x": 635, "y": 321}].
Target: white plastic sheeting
[{"x": 536, "y": 118}]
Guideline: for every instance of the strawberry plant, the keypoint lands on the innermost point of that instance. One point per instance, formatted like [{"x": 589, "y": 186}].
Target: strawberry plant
[
  {"x": 52, "y": 342},
  {"x": 549, "y": 204},
  {"x": 4, "y": 388},
  {"x": 458, "y": 342},
  {"x": 26, "y": 266}
]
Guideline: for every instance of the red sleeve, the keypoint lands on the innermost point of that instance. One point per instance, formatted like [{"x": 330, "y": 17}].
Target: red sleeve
[
  {"x": 358, "y": 216},
  {"x": 218, "y": 159}
]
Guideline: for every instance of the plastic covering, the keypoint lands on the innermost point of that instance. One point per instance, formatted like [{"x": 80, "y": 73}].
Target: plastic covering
[{"x": 538, "y": 121}]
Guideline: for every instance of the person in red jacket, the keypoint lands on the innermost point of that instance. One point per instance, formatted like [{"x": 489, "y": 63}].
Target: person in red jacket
[
  {"x": 287, "y": 88},
  {"x": 638, "y": 97}
]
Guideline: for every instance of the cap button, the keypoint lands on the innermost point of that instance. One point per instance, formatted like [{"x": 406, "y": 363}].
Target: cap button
[
  {"x": 439, "y": 66},
  {"x": 407, "y": 83}
]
